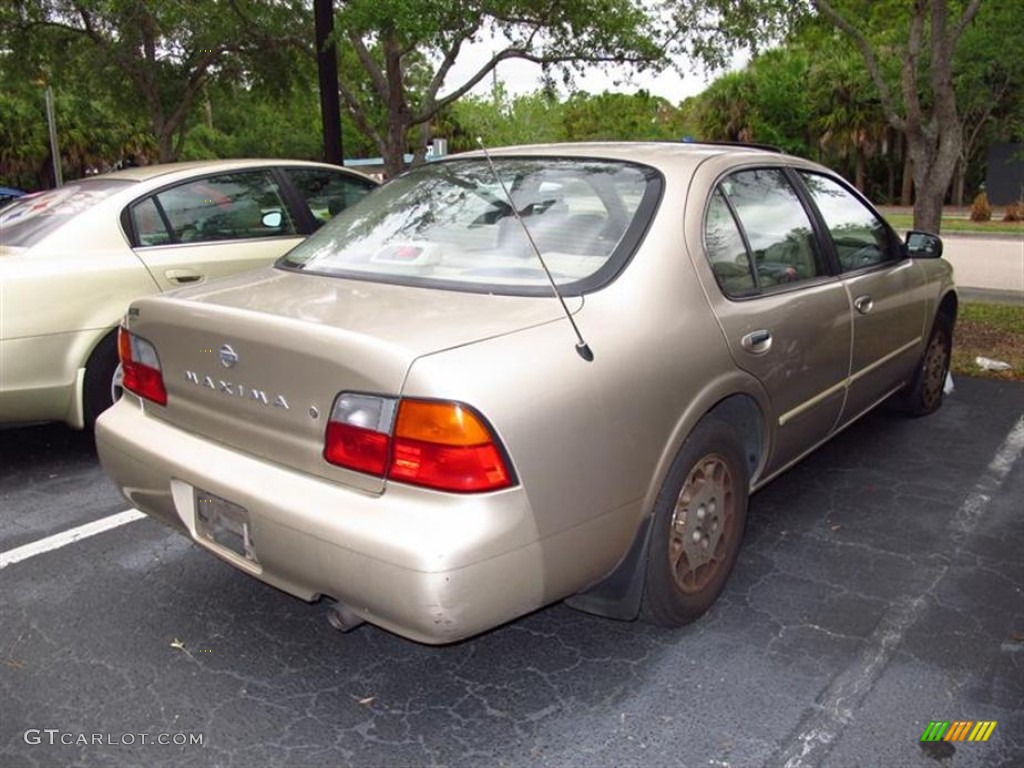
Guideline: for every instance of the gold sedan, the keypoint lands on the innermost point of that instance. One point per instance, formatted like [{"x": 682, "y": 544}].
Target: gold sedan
[{"x": 501, "y": 381}]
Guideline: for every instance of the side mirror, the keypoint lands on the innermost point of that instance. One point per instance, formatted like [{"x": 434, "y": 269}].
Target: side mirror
[
  {"x": 923, "y": 245},
  {"x": 272, "y": 220}
]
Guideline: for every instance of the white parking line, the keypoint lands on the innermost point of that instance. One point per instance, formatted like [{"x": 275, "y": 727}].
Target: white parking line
[
  {"x": 59, "y": 540},
  {"x": 836, "y": 708}
]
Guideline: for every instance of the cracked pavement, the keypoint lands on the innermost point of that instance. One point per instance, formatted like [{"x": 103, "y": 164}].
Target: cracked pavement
[{"x": 881, "y": 586}]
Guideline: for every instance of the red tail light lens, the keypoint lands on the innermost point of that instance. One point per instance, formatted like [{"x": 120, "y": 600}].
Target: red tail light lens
[
  {"x": 141, "y": 366},
  {"x": 359, "y": 432},
  {"x": 446, "y": 446},
  {"x": 355, "y": 448},
  {"x": 440, "y": 445}
]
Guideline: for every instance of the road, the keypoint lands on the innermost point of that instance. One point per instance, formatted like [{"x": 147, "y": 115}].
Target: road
[
  {"x": 879, "y": 589},
  {"x": 993, "y": 264}
]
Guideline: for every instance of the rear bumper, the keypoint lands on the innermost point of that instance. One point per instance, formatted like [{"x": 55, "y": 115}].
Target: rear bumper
[
  {"x": 430, "y": 566},
  {"x": 41, "y": 378}
]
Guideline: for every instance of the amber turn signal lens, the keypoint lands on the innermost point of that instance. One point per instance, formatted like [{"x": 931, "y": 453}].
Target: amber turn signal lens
[{"x": 440, "y": 423}]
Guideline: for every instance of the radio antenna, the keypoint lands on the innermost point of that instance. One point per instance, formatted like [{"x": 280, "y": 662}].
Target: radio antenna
[{"x": 582, "y": 348}]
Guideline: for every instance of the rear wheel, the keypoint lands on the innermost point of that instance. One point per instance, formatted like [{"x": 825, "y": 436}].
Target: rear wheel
[
  {"x": 925, "y": 393},
  {"x": 102, "y": 380},
  {"x": 699, "y": 520}
]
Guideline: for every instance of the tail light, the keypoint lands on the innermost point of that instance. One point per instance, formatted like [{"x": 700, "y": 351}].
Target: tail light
[
  {"x": 442, "y": 445},
  {"x": 141, "y": 366}
]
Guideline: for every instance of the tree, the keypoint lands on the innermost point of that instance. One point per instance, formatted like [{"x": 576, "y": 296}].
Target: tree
[
  {"x": 725, "y": 111},
  {"x": 94, "y": 129},
  {"x": 165, "y": 52},
  {"x": 921, "y": 35},
  {"x": 988, "y": 74},
  {"x": 501, "y": 121},
  {"x": 849, "y": 117},
  {"x": 386, "y": 36},
  {"x": 618, "y": 116},
  {"x": 926, "y": 109}
]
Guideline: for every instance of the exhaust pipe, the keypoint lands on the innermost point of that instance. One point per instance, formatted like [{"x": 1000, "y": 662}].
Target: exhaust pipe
[{"x": 343, "y": 618}]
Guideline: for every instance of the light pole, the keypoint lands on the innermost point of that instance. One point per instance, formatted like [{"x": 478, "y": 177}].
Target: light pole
[
  {"x": 327, "y": 67},
  {"x": 58, "y": 176}
]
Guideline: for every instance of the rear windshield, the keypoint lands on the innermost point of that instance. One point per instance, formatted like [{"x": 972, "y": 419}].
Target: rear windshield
[
  {"x": 452, "y": 225},
  {"x": 29, "y": 219}
]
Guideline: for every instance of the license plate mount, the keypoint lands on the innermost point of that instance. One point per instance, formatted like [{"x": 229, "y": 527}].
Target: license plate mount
[{"x": 224, "y": 524}]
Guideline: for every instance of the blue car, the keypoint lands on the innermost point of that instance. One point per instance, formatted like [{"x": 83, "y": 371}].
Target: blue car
[{"x": 9, "y": 193}]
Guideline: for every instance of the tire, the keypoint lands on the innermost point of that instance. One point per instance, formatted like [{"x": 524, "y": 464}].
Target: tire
[
  {"x": 698, "y": 525},
  {"x": 101, "y": 372},
  {"x": 925, "y": 393}
]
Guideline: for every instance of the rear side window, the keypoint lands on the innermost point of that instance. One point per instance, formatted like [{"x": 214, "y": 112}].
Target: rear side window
[
  {"x": 327, "y": 193},
  {"x": 726, "y": 249},
  {"x": 150, "y": 227},
  {"x": 860, "y": 237},
  {"x": 29, "y": 219},
  {"x": 235, "y": 206},
  {"x": 766, "y": 216},
  {"x": 451, "y": 224}
]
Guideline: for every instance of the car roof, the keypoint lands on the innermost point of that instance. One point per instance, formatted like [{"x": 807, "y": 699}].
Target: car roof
[
  {"x": 641, "y": 151},
  {"x": 148, "y": 172}
]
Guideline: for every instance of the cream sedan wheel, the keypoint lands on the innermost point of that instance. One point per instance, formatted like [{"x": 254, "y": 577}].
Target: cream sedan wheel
[
  {"x": 926, "y": 392},
  {"x": 702, "y": 524},
  {"x": 698, "y": 526}
]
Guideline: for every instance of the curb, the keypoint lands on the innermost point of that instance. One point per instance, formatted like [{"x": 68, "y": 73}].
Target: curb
[{"x": 990, "y": 296}]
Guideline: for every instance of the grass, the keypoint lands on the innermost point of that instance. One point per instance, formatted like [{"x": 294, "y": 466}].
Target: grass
[
  {"x": 901, "y": 222},
  {"x": 995, "y": 331}
]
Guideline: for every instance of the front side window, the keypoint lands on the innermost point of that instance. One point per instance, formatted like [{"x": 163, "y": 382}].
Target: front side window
[
  {"x": 860, "y": 237},
  {"x": 781, "y": 248},
  {"x": 235, "y": 206},
  {"x": 327, "y": 193},
  {"x": 451, "y": 224}
]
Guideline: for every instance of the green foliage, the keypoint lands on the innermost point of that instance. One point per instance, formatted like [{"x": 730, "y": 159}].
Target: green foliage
[
  {"x": 713, "y": 30},
  {"x": 768, "y": 102},
  {"x": 94, "y": 131},
  {"x": 538, "y": 118},
  {"x": 618, "y": 116},
  {"x": 501, "y": 121},
  {"x": 398, "y": 92},
  {"x": 153, "y": 58}
]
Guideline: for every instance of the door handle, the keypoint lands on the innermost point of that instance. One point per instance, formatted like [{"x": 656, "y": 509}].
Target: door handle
[
  {"x": 864, "y": 304},
  {"x": 757, "y": 342},
  {"x": 183, "y": 276}
]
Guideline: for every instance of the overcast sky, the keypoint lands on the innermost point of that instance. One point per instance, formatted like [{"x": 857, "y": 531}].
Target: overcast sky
[{"x": 523, "y": 77}]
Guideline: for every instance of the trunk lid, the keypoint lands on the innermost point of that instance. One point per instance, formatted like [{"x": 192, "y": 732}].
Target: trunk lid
[{"x": 256, "y": 361}]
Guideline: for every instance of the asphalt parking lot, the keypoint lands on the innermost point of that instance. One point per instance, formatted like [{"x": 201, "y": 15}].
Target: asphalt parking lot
[{"x": 881, "y": 587}]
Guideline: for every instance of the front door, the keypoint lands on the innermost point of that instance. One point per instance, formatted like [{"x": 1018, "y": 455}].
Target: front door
[
  {"x": 885, "y": 291},
  {"x": 786, "y": 319}
]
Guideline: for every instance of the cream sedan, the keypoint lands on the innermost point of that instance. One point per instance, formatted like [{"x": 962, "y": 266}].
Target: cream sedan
[
  {"x": 72, "y": 259},
  {"x": 502, "y": 381}
]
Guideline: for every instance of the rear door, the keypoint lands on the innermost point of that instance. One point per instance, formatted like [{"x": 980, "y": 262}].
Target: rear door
[
  {"x": 786, "y": 318},
  {"x": 211, "y": 227},
  {"x": 886, "y": 291}
]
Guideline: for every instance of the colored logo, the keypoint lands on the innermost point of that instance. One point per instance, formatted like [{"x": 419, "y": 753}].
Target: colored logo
[{"x": 958, "y": 730}]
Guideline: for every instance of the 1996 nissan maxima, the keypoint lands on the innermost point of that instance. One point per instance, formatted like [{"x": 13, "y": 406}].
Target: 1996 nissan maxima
[{"x": 403, "y": 415}]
